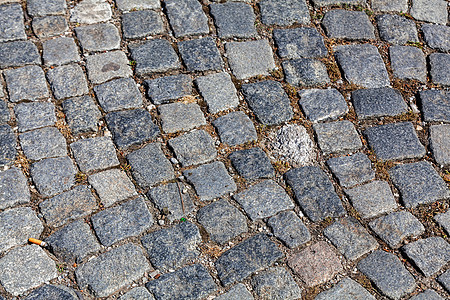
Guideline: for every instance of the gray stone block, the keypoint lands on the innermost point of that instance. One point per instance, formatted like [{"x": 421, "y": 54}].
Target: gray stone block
[
  {"x": 321, "y": 3},
  {"x": 194, "y": 148},
  {"x": 67, "y": 81},
  {"x": 299, "y": 42},
  {"x": 60, "y": 51},
  {"x": 49, "y": 26},
  {"x": 162, "y": 90},
  {"x": 234, "y": 20},
  {"x": 186, "y": 17},
  {"x": 13, "y": 188},
  {"x": 5, "y": 116},
  {"x": 137, "y": 293},
  {"x": 238, "y": 291},
  {"x": 52, "y": 292},
  {"x": 444, "y": 279},
  {"x": 82, "y": 115},
  {"x": 349, "y": 25},
  {"x": 288, "y": 227},
  {"x": 19, "y": 53},
  {"x": 118, "y": 94},
  {"x": 351, "y": 170},
  {"x": 276, "y": 283},
  {"x": 378, "y": 102},
  {"x": 337, "y": 137},
  {"x": 53, "y": 175},
  {"x": 235, "y": 128},
  {"x": 33, "y": 115},
  {"x": 39, "y": 8},
  {"x": 218, "y": 91},
  {"x": 443, "y": 219},
  {"x": 43, "y": 143},
  {"x": 435, "y": 105},
  {"x": 437, "y": 36},
  {"x": 98, "y": 37},
  {"x": 440, "y": 68},
  {"x": 252, "y": 163},
  {"x": 27, "y": 83},
  {"x": 408, "y": 63},
  {"x": 94, "y": 154},
  {"x": 390, "y": 5},
  {"x": 427, "y": 295},
  {"x": 284, "y": 12},
  {"x": 106, "y": 66},
  {"x": 440, "y": 143},
  {"x": 170, "y": 199},
  {"x": 395, "y": 29},
  {"x": 200, "y": 54},
  {"x": 8, "y": 145},
  {"x": 322, "y": 104},
  {"x": 180, "y": 116},
  {"x": 141, "y": 23},
  {"x": 11, "y": 23},
  {"x": 305, "y": 72},
  {"x": 91, "y": 11},
  {"x": 434, "y": 11},
  {"x": 129, "y": 5},
  {"x": 346, "y": 289}
]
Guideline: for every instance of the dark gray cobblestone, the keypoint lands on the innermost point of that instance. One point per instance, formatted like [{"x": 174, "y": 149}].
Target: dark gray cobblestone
[{"x": 163, "y": 89}]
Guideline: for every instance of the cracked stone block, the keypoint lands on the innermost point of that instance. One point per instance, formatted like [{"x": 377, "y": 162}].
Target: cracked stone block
[
  {"x": 315, "y": 264},
  {"x": 252, "y": 255},
  {"x": 390, "y": 5},
  {"x": 395, "y": 141},
  {"x": 33, "y": 115},
  {"x": 269, "y": 102},
  {"x": 337, "y": 137},
  {"x": 362, "y": 65},
  {"x": 181, "y": 116},
  {"x": 139, "y": 292},
  {"x": 60, "y": 51},
  {"x": 322, "y": 104},
  {"x": 106, "y": 66},
  {"x": 191, "y": 282},
  {"x": 427, "y": 295},
  {"x": 252, "y": 163},
  {"x": 408, "y": 63},
  {"x": 235, "y": 128},
  {"x": 53, "y": 175},
  {"x": 74, "y": 204},
  {"x": 440, "y": 68},
  {"x": 8, "y": 145},
  {"x": 112, "y": 270},
  {"x": 43, "y": 143},
  {"x": 112, "y": 186},
  {"x": 218, "y": 91},
  {"x": 91, "y": 11},
  {"x": 94, "y": 154},
  {"x": 437, "y": 36},
  {"x": 73, "y": 242},
  {"x": 249, "y": 59},
  {"x": 344, "y": 290},
  {"x": 118, "y": 94},
  {"x": 304, "y": 72},
  {"x": 238, "y": 291},
  {"x": 299, "y": 42},
  {"x": 39, "y": 8},
  {"x": 350, "y": 238},
  {"x": 48, "y": 291},
  {"x": 170, "y": 198},
  {"x": 398, "y": 30},
  {"x": 172, "y": 247},
  {"x": 440, "y": 143},
  {"x": 18, "y": 225},
  {"x": 321, "y": 3},
  {"x": 200, "y": 54},
  {"x": 351, "y": 170},
  {"x": 27, "y": 267},
  {"x": 378, "y": 102},
  {"x": 162, "y": 90},
  {"x": 349, "y": 25},
  {"x": 49, "y": 26},
  {"x": 444, "y": 279},
  {"x": 13, "y": 188},
  {"x": 141, "y": 23},
  {"x": 211, "y": 180},
  {"x": 27, "y": 83},
  {"x": 372, "y": 199},
  {"x": 194, "y": 148},
  {"x": 11, "y": 23},
  {"x": 131, "y": 127},
  {"x": 435, "y": 105},
  {"x": 429, "y": 255},
  {"x": 288, "y": 227},
  {"x": 234, "y": 20},
  {"x": 186, "y": 17},
  {"x": 129, "y": 5},
  {"x": 314, "y": 193},
  {"x": 98, "y": 37},
  {"x": 82, "y": 115},
  {"x": 67, "y": 81},
  {"x": 18, "y": 53},
  {"x": 276, "y": 283},
  {"x": 284, "y": 12},
  {"x": 264, "y": 199},
  {"x": 433, "y": 11},
  {"x": 5, "y": 117},
  {"x": 128, "y": 219},
  {"x": 149, "y": 165},
  {"x": 155, "y": 55}
]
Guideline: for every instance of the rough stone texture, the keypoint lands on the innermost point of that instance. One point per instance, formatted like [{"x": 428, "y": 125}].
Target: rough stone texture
[
  {"x": 82, "y": 115},
  {"x": 118, "y": 94},
  {"x": 408, "y": 63},
  {"x": 128, "y": 5},
  {"x": 53, "y": 175},
  {"x": 444, "y": 279},
  {"x": 390, "y": 5},
  {"x": 314, "y": 193},
  {"x": 149, "y": 165},
  {"x": 372, "y": 199},
  {"x": 18, "y": 224},
  {"x": 186, "y": 17},
  {"x": 8, "y": 145},
  {"x": 443, "y": 219},
  {"x": 264, "y": 199},
  {"x": 362, "y": 65},
  {"x": 200, "y": 54},
  {"x": 163, "y": 89},
  {"x": 52, "y": 292},
  {"x": 91, "y": 11},
  {"x": 131, "y": 127},
  {"x": 67, "y": 81},
  {"x": 336, "y": 2},
  {"x": 429, "y": 255},
  {"x": 180, "y": 116},
  {"x": 172, "y": 247},
  {"x": 11, "y": 23},
  {"x": 269, "y": 102},
  {"x": 128, "y": 219},
  {"x": 68, "y": 206},
  {"x": 211, "y": 180},
  {"x": 234, "y": 20},
  {"x": 346, "y": 289},
  {"x": 26, "y": 268},
  {"x": 435, "y": 105},
  {"x": 112, "y": 270},
  {"x": 440, "y": 143},
  {"x": 395, "y": 29},
  {"x": 5, "y": 116},
  {"x": 419, "y": 183},
  {"x": 349, "y": 25},
  {"x": 350, "y": 238},
  {"x": 34, "y": 115},
  {"x": 94, "y": 154},
  {"x": 141, "y": 23},
  {"x": 239, "y": 291},
  {"x": 437, "y": 36},
  {"x": 106, "y": 66},
  {"x": 299, "y": 42},
  {"x": 170, "y": 199},
  {"x": 194, "y": 148},
  {"x": 395, "y": 227},
  {"x": 38, "y": 8},
  {"x": 322, "y": 104},
  {"x": 13, "y": 188},
  {"x": 337, "y": 137},
  {"x": 235, "y": 128},
  {"x": 276, "y": 283},
  {"x": 305, "y": 72},
  {"x": 19, "y": 53},
  {"x": 388, "y": 274},
  {"x": 427, "y": 295},
  {"x": 137, "y": 293},
  {"x": 434, "y": 11},
  {"x": 378, "y": 102},
  {"x": 249, "y": 59},
  {"x": 190, "y": 283},
  {"x": 315, "y": 264},
  {"x": 351, "y": 170},
  {"x": 73, "y": 242},
  {"x": 49, "y": 26},
  {"x": 43, "y": 143},
  {"x": 27, "y": 83},
  {"x": 98, "y": 37},
  {"x": 218, "y": 91},
  {"x": 440, "y": 68},
  {"x": 284, "y": 12},
  {"x": 112, "y": 186},
  {"x": 252, "y": 163},
  {"x": 288, "y": 227},
  {"x": 253, "y": 254},
  {"x": 60, "y": 51}
]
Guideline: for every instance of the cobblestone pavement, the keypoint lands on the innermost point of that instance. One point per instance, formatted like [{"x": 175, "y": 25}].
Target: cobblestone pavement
[{"x": 246, "y": 149}]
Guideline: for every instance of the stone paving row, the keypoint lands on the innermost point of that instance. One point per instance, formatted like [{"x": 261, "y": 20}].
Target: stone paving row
[{"x": 233, "y": 149}]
